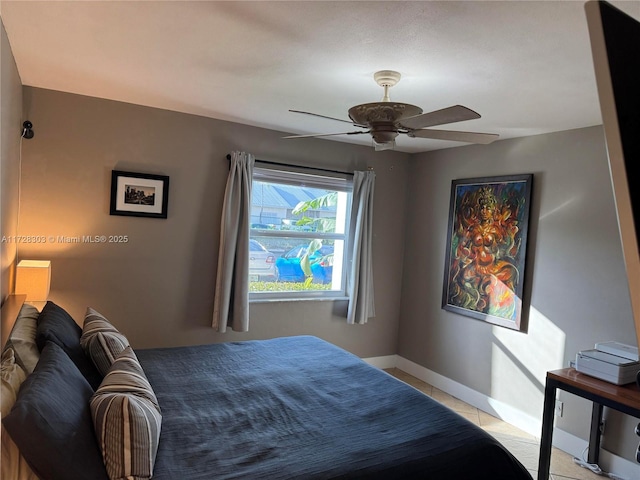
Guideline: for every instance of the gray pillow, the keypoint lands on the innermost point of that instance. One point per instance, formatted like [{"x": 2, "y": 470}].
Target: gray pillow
[
  {"x": 22, "y": 338},
  {"x": 56, "y": 325},
  {"x": 127, "y": 419},
  {"x": 51, "y": 421},
  {"x": 101, "y": 341}
]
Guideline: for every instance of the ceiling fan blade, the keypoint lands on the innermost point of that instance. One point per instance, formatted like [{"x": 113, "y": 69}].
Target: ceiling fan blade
[
  {"x": 329, "y": 118},
  {"x": 457, "y": 113},
  {"x": 469, "y": 137},
  {"x": 325, "y": 134}
]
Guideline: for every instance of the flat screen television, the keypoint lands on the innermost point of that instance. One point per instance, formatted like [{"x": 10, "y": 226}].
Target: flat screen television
[{"x": 615, "y": 47}]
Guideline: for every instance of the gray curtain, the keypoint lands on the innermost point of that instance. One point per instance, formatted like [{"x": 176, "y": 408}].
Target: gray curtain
[
  {"x": 231, "y": 303},
  {"x": 360, "y": 285}
]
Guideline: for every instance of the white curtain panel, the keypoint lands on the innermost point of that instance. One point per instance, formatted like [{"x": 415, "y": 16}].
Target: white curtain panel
[
  {"x": 231, "y": 303},
  {"x": 360, "y": 286}
]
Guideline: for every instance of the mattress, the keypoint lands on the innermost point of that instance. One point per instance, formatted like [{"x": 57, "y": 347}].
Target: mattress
[{"x": 300, "y": 407}]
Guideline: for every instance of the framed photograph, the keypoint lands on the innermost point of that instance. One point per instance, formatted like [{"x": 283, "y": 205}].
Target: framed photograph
[
  {"x": 486, "y": 248},
  {"x": 139, "y": 194}
]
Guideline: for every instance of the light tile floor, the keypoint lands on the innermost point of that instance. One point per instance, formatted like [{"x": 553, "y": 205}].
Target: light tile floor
[{"x": 523, "y": 446}]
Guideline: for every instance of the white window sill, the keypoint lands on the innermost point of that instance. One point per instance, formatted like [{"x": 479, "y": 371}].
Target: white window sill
[{"x": 310, "y": 299}]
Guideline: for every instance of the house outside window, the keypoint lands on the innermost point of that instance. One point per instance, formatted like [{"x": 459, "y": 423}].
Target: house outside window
[{"x": 299, "y": 225}]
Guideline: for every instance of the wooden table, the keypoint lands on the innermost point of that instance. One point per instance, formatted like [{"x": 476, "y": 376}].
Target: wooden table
[{"x": 624, "y": 398}]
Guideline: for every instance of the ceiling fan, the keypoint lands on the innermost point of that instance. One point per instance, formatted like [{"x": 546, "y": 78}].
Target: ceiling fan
[{"x": 385, "y": 120}]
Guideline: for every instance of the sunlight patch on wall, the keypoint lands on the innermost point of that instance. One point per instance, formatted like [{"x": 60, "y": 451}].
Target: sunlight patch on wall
[
  {"x": 48, "y": 236},
  {"x": 519, "y": 362},
  {"x": 558, "y": 208}
]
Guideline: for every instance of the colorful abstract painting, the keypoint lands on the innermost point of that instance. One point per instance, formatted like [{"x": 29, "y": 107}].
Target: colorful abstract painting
[{"x": 486, "y": 248}]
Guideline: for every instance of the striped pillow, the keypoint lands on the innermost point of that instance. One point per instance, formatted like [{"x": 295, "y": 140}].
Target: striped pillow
[
  {"x": 101, "y": 341},
  {"x": 127, "y": 420}
]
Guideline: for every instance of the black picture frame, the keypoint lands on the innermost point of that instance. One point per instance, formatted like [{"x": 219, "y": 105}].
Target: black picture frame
[
  {"x": 139, "y": 194},
  {"x": 486, "y": 248}
]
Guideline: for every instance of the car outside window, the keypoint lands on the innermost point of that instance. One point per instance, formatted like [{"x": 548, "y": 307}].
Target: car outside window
[
  {"x": 298, "y": 235},
  {"x": 262, "y": 263}
]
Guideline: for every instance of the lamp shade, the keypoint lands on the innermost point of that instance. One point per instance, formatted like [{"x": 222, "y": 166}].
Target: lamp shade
[{"x": 33, "y": 278}]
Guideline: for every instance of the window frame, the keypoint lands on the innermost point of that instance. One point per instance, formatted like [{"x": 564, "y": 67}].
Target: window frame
[{"x": 290, "y": 175}]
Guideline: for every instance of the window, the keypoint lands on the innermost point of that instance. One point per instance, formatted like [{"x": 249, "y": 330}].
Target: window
[{"x": 298, "y": 234}]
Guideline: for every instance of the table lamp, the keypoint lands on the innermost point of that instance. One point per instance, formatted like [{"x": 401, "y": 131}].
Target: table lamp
[{"x": 33, "y": 278}]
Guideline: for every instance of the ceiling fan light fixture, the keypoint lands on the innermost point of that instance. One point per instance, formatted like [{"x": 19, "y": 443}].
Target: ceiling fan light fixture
[{"x": 379, "y": 147}]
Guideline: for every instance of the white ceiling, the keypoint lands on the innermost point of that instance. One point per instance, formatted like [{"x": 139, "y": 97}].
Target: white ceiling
[{"x": 524, "y": 66}]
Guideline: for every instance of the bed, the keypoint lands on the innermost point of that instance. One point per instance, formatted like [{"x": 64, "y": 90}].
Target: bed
[{"x": 286, "y": 408}]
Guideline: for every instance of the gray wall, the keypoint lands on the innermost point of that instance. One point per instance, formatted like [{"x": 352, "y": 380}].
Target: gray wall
[
  {"x": 158, "y": 288},
  {"x": 10, "y": 125},
  {"x": 575, "y": 280}
]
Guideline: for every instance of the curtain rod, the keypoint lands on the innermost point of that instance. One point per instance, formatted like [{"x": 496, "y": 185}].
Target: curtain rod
[{"x": 299, "y": 166}]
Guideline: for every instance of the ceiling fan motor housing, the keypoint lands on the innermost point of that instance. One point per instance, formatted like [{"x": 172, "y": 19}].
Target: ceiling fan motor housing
[
  {"x": 382, "y": 118},
  {"x": 391, "y": 112}
]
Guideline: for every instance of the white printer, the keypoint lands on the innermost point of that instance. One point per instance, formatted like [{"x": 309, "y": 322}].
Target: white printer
[{"x": 613, "y": 362}]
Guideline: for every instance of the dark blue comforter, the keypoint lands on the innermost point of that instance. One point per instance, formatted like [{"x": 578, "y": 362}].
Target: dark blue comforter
[{"x": 301, "y": 408}]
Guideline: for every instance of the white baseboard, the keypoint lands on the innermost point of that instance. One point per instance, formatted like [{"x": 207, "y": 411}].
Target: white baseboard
[
  {"x": 609, "y": 462},
  {"x": 564, "y": 441},
  {"x": 388, "y": 361},
  {"x": 499, "y": 409}
]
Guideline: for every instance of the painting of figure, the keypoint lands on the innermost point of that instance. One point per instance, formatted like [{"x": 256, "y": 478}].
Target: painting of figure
[{"x": 486, "y": 248}]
